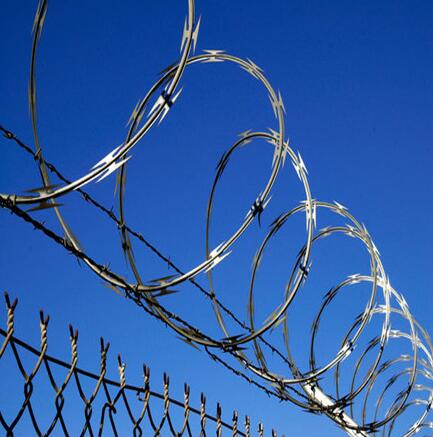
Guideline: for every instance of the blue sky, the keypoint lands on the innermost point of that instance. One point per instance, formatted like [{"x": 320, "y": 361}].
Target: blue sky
[{"x": 356, "y": 81}]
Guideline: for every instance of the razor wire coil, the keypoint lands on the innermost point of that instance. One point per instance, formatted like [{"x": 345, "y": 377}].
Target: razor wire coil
[{"x": 303, "y": 388}]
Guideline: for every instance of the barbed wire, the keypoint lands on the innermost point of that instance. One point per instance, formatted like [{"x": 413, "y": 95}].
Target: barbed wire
[
  {"x": 348, "y": 402},
  {"x": 112, "y": 216},
  {"x": 131, "y": 294}
]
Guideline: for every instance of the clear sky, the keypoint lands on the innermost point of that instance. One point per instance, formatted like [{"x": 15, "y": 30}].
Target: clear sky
[{"x": 356, "y": 79}]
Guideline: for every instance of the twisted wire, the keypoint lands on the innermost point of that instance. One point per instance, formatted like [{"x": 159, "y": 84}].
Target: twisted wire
[{"x": 177, "y": 417}]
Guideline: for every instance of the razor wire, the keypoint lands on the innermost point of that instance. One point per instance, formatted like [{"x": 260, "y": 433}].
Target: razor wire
[
  {"x": 110, "y": 404},
  {"x": 350, "y": 409}
]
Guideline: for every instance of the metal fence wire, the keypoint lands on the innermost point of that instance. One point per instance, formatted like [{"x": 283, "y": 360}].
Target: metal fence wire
[
  {"x": 87, "y": 403},
  {"x": 371, "y": 385}
]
